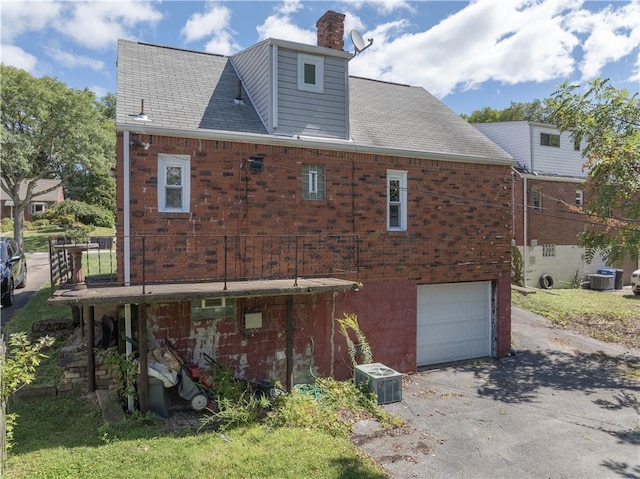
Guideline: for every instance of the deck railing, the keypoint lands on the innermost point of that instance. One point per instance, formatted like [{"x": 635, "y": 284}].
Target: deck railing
[{"x": 191, "y": 258}]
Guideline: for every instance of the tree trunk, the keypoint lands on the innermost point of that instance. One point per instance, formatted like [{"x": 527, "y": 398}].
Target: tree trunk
[{"x": 18, "y": 222}]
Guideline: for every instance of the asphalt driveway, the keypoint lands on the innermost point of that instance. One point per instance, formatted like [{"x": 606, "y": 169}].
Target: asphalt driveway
[{"x": 563, "y": 406}]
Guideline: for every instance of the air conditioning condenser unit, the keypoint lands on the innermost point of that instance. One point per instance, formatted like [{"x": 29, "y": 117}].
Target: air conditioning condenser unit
[{"x": 380, "y": 379}]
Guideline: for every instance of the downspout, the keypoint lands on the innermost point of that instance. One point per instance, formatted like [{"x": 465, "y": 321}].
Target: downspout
[
  {"x": 126, "y": 184},
  {"x": 126, "y": 179},
  {"x": 525, "y": 228}
]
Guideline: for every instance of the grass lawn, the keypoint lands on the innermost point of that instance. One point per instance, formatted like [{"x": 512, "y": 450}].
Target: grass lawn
[
  {"x": 604, "y": 315},
  {"x": 77, "y": 445},
  {"x": 37, "y": 241}
]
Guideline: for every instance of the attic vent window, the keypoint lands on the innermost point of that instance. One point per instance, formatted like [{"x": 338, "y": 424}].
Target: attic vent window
[{"x": 310, "y": 73}]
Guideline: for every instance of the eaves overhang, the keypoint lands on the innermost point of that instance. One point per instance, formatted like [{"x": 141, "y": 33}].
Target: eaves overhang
[
  {"x": 167, "y": 293},
  {"x": 308, "y": 142}
]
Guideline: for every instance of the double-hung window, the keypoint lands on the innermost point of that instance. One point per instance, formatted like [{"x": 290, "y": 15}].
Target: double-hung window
[
  {"x": 396, "y": 200},
  {"x": 310, "y": 73},
  {"x": 548, "y": 139},
  {"x": 579, "y": 198},
  {"x": 537, "y": 200},
  {"x": 313, "y": 182},
  {"x": 173, "y": 183}
]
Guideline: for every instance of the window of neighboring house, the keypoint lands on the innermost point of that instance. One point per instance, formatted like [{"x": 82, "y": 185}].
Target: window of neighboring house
[
  {"x": 38, "y": 207},
  {"x": 537, "y": 199},
  {"x": 547, "y": 139},
  {"x": 579, "y": 198},
  {"x": 576, "y": 145},
  {"x": 310, "y": 73},
  {"x": 313, "y": 182},
  {"x": 396, "y": 200},
  {"x": 548, "y": 250},
  {"x": 173, "y": 183}
]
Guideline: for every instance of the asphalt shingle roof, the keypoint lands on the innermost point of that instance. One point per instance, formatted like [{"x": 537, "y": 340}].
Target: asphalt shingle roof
[{"x": 194, "y": 92}]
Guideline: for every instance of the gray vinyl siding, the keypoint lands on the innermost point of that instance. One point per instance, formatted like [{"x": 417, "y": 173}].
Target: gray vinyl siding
[
  {"x": 563, "y": 161},
  {"x": 254, "y": 66},
  {"x": 308, "y": 113},
  {"x": 512, "y": 136}
]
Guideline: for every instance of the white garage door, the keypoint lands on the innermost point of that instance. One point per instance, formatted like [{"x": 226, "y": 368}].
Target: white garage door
[{"x": 454, "y": 322}]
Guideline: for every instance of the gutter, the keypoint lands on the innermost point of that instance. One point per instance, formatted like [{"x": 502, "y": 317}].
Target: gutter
[{"x": 308, "y": 142}]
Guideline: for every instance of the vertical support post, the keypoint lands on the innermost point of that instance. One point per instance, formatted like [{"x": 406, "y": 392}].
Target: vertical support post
[
  {"x": 128, "y": 347},
  {"x": 225, "y": 263},
  {"x": 289, "y": 343},
  {"x": 91, "y": 359},
  {"x": 144, "y": 266},
  {"x": 295, "y": 281},
  {"x": 143, "y": 386}
]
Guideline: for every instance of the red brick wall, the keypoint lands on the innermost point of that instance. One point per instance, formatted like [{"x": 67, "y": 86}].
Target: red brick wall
[
  {"x": 459, "y": 229},
  {"x": 558, "y": 222},
  {"x": 459, "y": 221}
]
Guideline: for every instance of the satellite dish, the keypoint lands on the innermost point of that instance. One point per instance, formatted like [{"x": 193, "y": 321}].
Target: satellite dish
[{"x": 358, "y": 41}]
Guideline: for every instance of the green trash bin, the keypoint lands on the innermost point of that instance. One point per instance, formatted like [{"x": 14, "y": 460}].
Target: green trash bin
[{"x": 158, "y": 397}]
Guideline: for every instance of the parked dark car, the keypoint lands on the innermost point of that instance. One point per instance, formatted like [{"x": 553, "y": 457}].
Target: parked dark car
[{"x": 13, "y": 270}]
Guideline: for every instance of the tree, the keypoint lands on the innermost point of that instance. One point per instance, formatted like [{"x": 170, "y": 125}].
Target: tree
[
  {"x": 48, "y": 131},
  {"x": 531, "y": 111},
  {"x": 607, "y": 122},
  {"x": 17, "y": 369}
]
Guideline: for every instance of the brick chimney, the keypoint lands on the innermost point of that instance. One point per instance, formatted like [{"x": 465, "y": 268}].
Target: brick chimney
[{"x": 331, "y": 30}]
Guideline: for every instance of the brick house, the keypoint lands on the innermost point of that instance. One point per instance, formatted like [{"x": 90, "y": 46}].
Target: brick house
[
  {"x": 547, "y": 202},
  {"x": 39, "y": 203},
  {"x": 264, "y": 194}
]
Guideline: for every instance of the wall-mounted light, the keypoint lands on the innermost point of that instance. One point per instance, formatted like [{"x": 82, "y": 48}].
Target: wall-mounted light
[
  {"x": 256, "y": 164},
  {"x": 139, "y": 144},
  {"x": 142, "y": 116}
]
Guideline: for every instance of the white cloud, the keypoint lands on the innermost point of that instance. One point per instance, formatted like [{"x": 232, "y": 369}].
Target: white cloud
[
  {"x": 17, "y": 57},
  {"x": 282, "y": 26},
  {"x": 19, "y": 17},
  {"x": 99, "y": 25},
  {"x": 201, "y": 25},
  {"x": 213, "y": 23},
  {"x": 289, "y": 6},
  {"x": 611, "y": 35},
  {"x": 488, "y": 40},
  {"x": 72, "y": 61}
]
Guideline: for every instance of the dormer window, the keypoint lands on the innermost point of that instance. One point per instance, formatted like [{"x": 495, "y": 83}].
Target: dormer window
[{"x": 310, "y": 73}]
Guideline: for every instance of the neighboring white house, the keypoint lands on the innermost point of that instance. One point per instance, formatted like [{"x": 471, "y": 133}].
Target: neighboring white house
[{"x": 548, "y": 196}]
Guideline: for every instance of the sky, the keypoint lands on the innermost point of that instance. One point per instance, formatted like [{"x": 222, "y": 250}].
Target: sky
[{"x": 468, "y": 54}]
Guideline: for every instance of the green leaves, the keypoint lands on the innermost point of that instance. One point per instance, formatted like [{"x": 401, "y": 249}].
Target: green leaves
[{"x": 607, "y": 122}]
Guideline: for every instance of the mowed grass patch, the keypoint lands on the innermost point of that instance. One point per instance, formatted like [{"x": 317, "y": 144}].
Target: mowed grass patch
[
  {"x": 604, "y": 315},
  {"x": 77, "y": 446}
]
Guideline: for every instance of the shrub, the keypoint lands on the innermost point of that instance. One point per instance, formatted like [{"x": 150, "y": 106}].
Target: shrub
[
  {"x": 6, "y": 225},
  {"x": 71, "y": 211}
]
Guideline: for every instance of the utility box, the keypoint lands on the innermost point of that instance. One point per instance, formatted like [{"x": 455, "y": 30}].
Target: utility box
[
  {"x": 378, "y": 378},
  {"x": 601, "y": 282}
]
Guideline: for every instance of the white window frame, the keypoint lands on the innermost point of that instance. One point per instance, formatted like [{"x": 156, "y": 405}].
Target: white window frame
[
  {"x": 183, "y": 162},
  {"x": 34, "y": 208},
  {"x": 318, "y": 63},
  {"x": 579, "y": 198},
  {"x": 536, "y": 198},
  {"x": 400, "y": 202},
  {"x": 314, "y": 182}
]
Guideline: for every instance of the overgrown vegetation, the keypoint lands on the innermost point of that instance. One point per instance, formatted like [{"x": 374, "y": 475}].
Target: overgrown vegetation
[
  {"x": 606, "y": 316},
  {"x": 517, "y": 267},
  {"x": 256, "y": 431},
  {"x": 361, "y": 349},
  {"x": 17, "y": 369}
]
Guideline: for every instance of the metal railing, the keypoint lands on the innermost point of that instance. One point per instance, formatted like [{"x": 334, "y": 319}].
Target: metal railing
[{"x": 192, "y": 258}]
